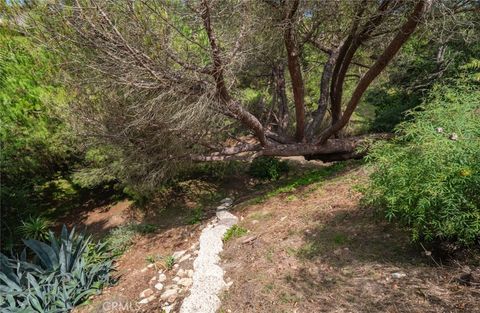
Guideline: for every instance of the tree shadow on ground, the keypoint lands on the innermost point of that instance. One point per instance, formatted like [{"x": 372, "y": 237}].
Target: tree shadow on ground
[{"x": 356, "y": 256}]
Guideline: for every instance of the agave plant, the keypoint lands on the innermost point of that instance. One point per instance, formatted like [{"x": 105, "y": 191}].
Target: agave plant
[
  {"x": 35, "y": 228},
  {"x": 60, "y": 275}
]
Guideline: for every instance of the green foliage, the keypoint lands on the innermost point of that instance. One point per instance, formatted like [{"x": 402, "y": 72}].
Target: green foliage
[
  {"x": 390, "y": 106},
  {"x": 268, "y": 168},
  {"x": 121, "y": 238},
  {"x": 304, "y": 179},
  {"x": 234, "y": 232},
  {"x": 145, "y": 228},
  {"x": 35, "y": 228},
  {"x": 32, "y": 134},
  {"x": 36, "y": 145},
  {"x": 216, "y": 170},
  {"x": 473, "y": 68},
  {"x": 428, "y": 177},
  {"x": 61, "y": 274},
  {"x": 169, "y": 262},
  {"x": 150, "y": 259},
  {"x": 99, "y": 167},
  {"x": 196, "y": 216}
]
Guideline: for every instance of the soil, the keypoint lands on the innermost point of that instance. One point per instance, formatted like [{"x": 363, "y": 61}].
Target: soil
[
  {"x": 311, "y": 249},
  {"x": 317, "y": 250}
]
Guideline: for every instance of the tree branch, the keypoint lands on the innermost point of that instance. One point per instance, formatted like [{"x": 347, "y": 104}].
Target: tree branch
[{"x": 402, "y": 36}]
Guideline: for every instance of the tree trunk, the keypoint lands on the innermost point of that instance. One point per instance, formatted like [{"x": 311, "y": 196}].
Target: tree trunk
[
  {"x": 281, "y": 96},
  {"x": 295, "y": 70}
]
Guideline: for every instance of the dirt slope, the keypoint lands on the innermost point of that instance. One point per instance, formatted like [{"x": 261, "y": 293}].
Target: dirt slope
[{"x": 316, "y": 250}]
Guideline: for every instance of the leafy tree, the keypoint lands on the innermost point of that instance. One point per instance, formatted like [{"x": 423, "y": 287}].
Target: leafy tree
[
  {"x": 168, "y": 81},
  {"x": 34, "y": 140}
]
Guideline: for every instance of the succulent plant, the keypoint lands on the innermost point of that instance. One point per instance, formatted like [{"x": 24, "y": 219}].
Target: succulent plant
[{"x": 53, "y": 276}]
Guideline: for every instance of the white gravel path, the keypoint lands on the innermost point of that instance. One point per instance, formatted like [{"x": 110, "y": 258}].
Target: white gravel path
[{"x": 208, "y": 275}]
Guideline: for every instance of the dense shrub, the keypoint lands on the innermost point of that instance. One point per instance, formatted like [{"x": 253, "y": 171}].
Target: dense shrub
[
  {"x": 35, "y": 228},
  {"x": 267, "y": 168},
  {"x": 428, "y": 178},
  {"x": 61, "y": 274}
]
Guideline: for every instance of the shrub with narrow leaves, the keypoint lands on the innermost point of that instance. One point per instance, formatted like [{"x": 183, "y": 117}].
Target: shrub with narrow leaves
[
  {"x": 265, "y": 167},
  {"x": 53, "y": 276},
  {"x": 428, "y": 178},
  {"x": 35, "y": 228}
]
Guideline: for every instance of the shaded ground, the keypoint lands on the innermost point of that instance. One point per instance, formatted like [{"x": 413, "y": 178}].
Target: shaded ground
[
  {"x": 317, "y": 250},
  {"x": 310, "y": 248}
]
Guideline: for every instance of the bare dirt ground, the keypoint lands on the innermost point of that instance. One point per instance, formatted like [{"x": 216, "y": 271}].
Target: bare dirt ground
[
  {"x": 317, "y": 250},
  {"x": 170, "y": 213},
  {"x": 310, "y": 247}
]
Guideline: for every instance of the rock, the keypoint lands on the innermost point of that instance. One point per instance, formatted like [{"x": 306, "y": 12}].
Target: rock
[
  {"x": 398, "y": 275},
  {"x": 439, "y": 129},
  {"x": 249, "y": 239},
  {"x": 153, "y": 279},
  {"x": 169, "y": 295},
  {"x": 181, "y": 273},
  {"x": 159, "y": 286},
  {"x": 337, "y": 251},
  {"x": 255, "y": 222},
  {"x": 229, "y": 284},
  {"x": 162, "y": 277},
  {"x": 469, "y": 277},
  {"x": 283, "y": 218},
  {"x": 186, "y": 282},
  {"x": 175, "y": 266},
  {"x": 195, "y": 252},
  {"x": 190, "y": 273},
  {"x": 226, "y": 218},
  {"x": 178, "y": 254},
  {"x": 222, "y": 207},
  {"x": 184, "y": 258},
  {"x": 453, "y": 136},
  {"x": 146, "y": 293},
  {"x": 143, "y": 270},
  {"x": 147, "y": 300},
  {"x": 227, "y": 201},
  {"x": 151, "y": 265},
  {"x": 168, "y": 308},
  {"x": 176, "y": 279}
]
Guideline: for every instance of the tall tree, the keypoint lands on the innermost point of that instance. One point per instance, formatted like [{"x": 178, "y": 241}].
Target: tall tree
[{"x": 163, "y": 79}]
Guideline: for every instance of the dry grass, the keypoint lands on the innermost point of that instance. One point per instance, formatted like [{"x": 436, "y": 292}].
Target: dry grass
[{"x": 319, "y": 251}]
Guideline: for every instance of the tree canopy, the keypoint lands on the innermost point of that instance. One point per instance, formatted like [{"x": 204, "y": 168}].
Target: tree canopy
[{"x": 171, "y": 82}]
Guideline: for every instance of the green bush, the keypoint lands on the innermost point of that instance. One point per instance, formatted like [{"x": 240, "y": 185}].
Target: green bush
[
  {"x": 35, "y": 228},
  {"x": 234, "y": 232},
  {"x": 428, "y": 178},
  {"x": 62, "y": 273},
  {"x": 267, "y": 168}
]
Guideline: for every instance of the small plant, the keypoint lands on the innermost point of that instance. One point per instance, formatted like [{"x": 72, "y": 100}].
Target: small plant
[
  {"x": 234, "y": 232},
  {"x": 196, "y": 216},
  {"x": 268, "y": 168},
  {"x": 35, "y": 228},
  {"x": 291, "y": 198},
  {"x": 169, "y": 262},
  {"x": 120, "y": 238},
  {"x": 340, "y": 239},
  {"x": 145, "y": 228},
  {"x": 151, "y": 259}
]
